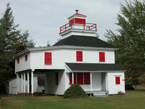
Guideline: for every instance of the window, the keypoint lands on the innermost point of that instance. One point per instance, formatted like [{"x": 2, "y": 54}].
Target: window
[
  {"x": 48, "y": 58},
  {"x": 56, "y": 78},
  {"x": 101, "y": 57},
  {"x": 26, "y": 57},
  {"x": 79, "y": 55},
  {"x": 80, "y": 78},
  {"x": 18, "y": 60},
  {"x": 87, "y": 78},
  {"x": 117, "y": 80}
]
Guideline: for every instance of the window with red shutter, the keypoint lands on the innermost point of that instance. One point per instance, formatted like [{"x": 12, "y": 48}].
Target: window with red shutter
[
  {"x": 56, "y": 78},
  {"x": 87, "y": 78},
  {"x": 80, "y": 78},
  {"x": 26, "y": 57},
  {"x": 79, "y": 55},
  {"x": 18, "y": 60},
  {"x": 48, "y": 58},
  {"x": 70, "y": 78},
  {"x": 102, "y": 56},
  {"x": 117, "y": 80}
]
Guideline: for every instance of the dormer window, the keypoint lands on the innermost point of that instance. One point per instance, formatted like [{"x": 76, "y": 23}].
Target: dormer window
[
  {"x": 18, "y": 60},
  {"x": 79, "y": 56},
  {"x": 101, "y": 56},
  {"x": 26, "y": 57}
]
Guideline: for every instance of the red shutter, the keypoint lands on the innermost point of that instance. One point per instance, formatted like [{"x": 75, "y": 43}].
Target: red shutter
[
  {"x": 18, "y": 60},
  {"x": 48, "y": 58},
  {"x": 80, "y": 78},
  {"x": 101, "y": 56},
  {"x": 87, "y": 78},
  {"x": 26, "y": 57},
  {"x": 70, "y": 78},
  {"x": 56, "y": 78},
  {"x": 117, "y": 80},
  {"x": 79, "y": 55}
]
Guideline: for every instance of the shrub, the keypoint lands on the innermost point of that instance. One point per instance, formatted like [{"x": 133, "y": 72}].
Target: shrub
[
  {"x": 128, "y": 87},
  {"x": 75, "y": 91},
  {"x": 121, "y": 93}
]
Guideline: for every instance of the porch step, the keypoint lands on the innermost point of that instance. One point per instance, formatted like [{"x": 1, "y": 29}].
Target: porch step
[
  {"x": 101, "y": 95},
  {"x": 98, "y": 93}
]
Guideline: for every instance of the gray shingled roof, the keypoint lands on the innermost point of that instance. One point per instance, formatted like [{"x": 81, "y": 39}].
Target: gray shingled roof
[
  {"x": 93, "y": 67},
  {"x": 88, "y": 41}
]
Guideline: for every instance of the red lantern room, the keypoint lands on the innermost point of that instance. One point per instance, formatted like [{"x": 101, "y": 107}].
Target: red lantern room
[{"x": 77, "y": 24}]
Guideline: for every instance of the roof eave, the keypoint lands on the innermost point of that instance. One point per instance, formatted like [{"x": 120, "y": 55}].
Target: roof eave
[
  {"x": 109, "y": 71},
  {"x": 59, "y": 47}
]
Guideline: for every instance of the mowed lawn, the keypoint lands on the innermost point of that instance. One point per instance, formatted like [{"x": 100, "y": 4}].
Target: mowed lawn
[{"x": 133, "y": 100}]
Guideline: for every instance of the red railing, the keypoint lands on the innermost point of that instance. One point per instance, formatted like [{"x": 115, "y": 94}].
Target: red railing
[{"x": 87, "y": 26}]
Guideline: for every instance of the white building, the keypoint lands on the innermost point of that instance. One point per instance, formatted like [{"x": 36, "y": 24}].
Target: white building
[{"x": 79, "y": 57}]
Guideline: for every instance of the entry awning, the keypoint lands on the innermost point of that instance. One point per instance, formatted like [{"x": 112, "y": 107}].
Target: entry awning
[{"x": 75, "y": 67}]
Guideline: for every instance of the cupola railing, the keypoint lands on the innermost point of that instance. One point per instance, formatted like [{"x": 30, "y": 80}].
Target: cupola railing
[{"x": 86, "y": 26}]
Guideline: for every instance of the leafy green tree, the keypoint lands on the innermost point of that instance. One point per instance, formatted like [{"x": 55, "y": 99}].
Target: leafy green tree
[
  {"x": 130, "y": 39},
  {"x": 11, "y": 42}
]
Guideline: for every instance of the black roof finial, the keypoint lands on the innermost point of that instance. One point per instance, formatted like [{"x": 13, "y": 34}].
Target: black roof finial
[{"x": 77, "y": 11}]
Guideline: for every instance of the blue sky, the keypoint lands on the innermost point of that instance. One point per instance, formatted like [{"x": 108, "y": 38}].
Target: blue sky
[{"x": 43, "y": 18}]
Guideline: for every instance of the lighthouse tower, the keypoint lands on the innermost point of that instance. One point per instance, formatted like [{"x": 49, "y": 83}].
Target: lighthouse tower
[{"x": 77, "y": 26}]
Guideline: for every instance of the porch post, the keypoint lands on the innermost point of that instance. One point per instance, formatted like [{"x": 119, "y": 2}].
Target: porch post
[
  {"x": 21, "y": 83},
  {"x": 17, "y": 84},
  {"x": 32, "y": 85},
  {"x": 24, "y": 83},
  {"x": 28, "y": 83},
  {"x": 91, "y": 81},
  {"x": 72, "y": 77}
]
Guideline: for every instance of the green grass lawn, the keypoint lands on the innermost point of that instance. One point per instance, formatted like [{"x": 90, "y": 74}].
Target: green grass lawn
[{"x": 135, "y": 99}]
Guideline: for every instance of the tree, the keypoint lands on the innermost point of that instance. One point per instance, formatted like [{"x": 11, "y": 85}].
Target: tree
[
  {"x": 131, "y": 39},
  {"x": 48, "y": 44},
  {"x": 11, "y": 42},
  {"x": 23, "y": 42}
]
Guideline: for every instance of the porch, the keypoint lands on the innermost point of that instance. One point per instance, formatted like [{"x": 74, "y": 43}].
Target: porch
[{"x": 93, "y": 83}]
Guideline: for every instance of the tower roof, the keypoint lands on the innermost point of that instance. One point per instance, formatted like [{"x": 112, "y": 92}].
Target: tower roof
[
  {"x": 87, "y": 41},
  {"x": 77, "y": 14}
]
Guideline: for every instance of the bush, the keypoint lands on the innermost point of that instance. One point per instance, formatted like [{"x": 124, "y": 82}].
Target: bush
[
  {"x": 121, "y": 93},
  {"x": 128, "y": 87},
  {"x": 75, "y": 91}
]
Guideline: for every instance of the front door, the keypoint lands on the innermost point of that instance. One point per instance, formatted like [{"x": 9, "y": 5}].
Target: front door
[{"x": 103, "y": 78}]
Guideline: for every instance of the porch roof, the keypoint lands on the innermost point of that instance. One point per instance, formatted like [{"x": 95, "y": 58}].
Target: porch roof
[{"x": 93, "y": 67}]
